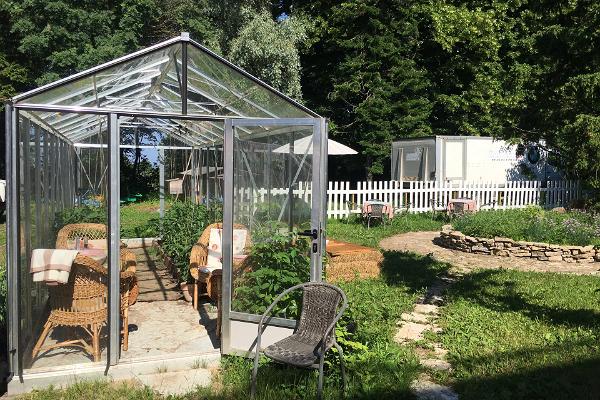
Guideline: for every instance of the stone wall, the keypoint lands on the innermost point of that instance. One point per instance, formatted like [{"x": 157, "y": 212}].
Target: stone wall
[{"x": 505, "y": 247}]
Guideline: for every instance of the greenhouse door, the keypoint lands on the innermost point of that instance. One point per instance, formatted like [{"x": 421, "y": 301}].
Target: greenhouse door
[{"x": 273, "y": 222}]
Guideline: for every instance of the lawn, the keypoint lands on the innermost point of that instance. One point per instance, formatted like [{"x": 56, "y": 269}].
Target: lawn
[
  {"x": 138, "y": 219},
  {"x": 518, "y": 335},
  {"x": 353, "y": 230}
]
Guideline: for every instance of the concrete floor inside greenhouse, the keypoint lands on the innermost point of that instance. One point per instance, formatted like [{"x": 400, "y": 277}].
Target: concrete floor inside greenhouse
[{"x": 156, "y": 329}]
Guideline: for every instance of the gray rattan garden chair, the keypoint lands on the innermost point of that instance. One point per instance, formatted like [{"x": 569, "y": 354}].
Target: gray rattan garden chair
[
  {"x": 376, "y": 211},
  {"x": 314, "y": 335}
]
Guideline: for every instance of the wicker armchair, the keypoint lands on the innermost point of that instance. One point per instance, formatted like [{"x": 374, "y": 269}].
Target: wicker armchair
[
  {"x": 70, "y": 232},
  {"x": 83, "y": 302},
  {"x": 198, "y": 259},
  {"x": 314, "y": 335}
]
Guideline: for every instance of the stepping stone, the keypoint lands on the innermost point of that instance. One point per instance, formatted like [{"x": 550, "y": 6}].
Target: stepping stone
[
  {"x": 436, "y": 364},
  {"x": 176, "y": 383},
  {"x": 429, "y": 309},
  {"x": 411, "y": 331},
  {"x": 415, "y": 317},
  {"x": 425, "y": 389},
  {"x": 440, "y": 352}
]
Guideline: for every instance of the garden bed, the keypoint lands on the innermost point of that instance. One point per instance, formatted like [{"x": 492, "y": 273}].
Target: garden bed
[{"x": 506, "y": 247}]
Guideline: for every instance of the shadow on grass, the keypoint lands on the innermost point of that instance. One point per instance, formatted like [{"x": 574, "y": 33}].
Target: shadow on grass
[
  {"x": 485, "y": 289},
  {"x": 564, "y": 373},
  {"x": 412, "y": 270}
]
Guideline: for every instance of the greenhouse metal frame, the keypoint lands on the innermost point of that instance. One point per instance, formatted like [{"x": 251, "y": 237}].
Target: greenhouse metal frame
[{"x": 177, "y": 87}]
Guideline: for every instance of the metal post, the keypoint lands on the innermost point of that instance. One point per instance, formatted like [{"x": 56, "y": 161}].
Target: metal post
[
  {"x": 26, "y": 308},
  {"x": 185, "y": 37},
  {"x": 200, "y": 175},
  {"x": 45, "y": 194},
  {"x": 316, "y": 259},
  {"x": 114, "y": 320},
  {"x": 161, "y": 183},
  {"x": 290, "y": 201},
  {"x": 193, "y": 180},
  {"x": 207, "y": 176},
  {"x": 38, "y": 187},
  {"x": 13, "y": 239},
  {"x": 227, "y": 235}
]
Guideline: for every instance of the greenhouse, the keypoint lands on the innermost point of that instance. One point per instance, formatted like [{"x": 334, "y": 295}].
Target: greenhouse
[{"x": 219, "y": 138}]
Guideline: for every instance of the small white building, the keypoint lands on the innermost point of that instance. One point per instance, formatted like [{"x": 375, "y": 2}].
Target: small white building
[{"x": 468, "y": 158}]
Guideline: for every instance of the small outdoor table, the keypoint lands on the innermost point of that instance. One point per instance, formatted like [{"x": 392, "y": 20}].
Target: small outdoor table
[{"x": 460, "y": 206}]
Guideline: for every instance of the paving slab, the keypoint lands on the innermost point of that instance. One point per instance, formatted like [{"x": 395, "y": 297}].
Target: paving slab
[
  {"x": 425, "y": 389},
  {"x": 176, "y": 383}
]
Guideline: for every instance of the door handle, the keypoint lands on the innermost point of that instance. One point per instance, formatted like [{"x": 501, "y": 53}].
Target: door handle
[{"x": 313, "y": 234}]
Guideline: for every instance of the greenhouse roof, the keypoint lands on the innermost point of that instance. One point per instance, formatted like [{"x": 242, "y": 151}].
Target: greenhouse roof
[{"x": 179, "y": 79}]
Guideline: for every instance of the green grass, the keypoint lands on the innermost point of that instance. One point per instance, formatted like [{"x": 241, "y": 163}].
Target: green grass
[
  {"x": 136, "y": 219},
  {"x": 377, "y": 367},
  {"x": 353, "y": 230},
  {"x": 518, "y": 335},
  {"x": 533, "y": 224}
]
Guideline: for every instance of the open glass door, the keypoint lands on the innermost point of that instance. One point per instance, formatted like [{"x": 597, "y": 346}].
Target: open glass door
[{"x": 273, "y": 218}]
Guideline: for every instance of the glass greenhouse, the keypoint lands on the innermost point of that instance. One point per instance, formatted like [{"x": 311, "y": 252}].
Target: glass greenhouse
[{"x": 219, "y": 133}]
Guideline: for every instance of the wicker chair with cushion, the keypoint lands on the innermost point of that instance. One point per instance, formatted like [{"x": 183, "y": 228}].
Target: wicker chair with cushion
[
  {"x": 199, "y": 259},
  {"x": 68, "y": 234},
  {"x": 83, "y": 303},
  {"x": 322, "y": 306}
]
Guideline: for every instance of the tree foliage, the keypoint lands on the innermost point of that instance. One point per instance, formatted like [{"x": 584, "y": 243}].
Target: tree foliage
[{"x": 524, "y": 70}]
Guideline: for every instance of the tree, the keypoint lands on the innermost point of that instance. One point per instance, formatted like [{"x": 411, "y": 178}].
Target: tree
[
  {"x": 269, "y": 49},
  {"x": 363, "y": 74}
]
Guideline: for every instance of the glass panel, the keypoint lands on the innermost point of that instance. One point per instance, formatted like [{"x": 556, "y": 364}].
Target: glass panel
[
  {"x": 216, "y": 88},
  {"x": 272, "y": 202},
  {"x": 149, "y": 82},
  {"x": 62, "y": 197}
]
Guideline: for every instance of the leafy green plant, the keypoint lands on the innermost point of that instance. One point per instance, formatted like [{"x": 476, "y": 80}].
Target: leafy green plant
[
  {"x": 181, "y": 227},
  {"x": 275, "y": 265},
  {"x": 533, "y": 224},
  {"x": 79, "y": 214}
]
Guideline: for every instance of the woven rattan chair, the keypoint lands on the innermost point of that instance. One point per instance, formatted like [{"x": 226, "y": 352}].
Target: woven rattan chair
[
  {"x": 69, "y": 233},
  {"x": 83, "y": 303},
  {"x": 314, "y": 335},
  {"x": 204, "y": 280},
  {"x": 376, "y": 211}
]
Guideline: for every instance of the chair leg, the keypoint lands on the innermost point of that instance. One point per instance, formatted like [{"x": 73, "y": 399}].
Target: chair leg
[
  {"x": 40, "y": 342},
  {"x": 96, "y": 342},
  {"x": 126, "y": 329},
  {"x": 342, "y": 367},
  {"x": 320, "y": 384},
  {"x": 254, "y": 373},
  {"x": 219, "y": 317},
  {"x": 195, "y": 294}
]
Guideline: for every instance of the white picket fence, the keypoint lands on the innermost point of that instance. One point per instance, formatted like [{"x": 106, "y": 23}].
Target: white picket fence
[
  {"x": 422, "y": 196},
  {"x": 344, "y": 199}
]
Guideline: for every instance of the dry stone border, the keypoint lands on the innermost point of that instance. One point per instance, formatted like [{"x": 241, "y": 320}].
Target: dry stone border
[{"x": 506, "y": 247}]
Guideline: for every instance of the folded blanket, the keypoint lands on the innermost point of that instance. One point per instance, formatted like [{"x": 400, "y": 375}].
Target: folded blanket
[{"x": 52, "y": 266}]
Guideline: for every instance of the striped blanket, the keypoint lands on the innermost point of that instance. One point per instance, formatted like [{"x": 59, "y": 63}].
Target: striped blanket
[{"x": 52, "y": 266}]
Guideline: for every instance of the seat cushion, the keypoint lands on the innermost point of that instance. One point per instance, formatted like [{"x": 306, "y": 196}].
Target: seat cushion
[
  {"x": 213, "y": 259},
  {"x": 295, "y": 350}
]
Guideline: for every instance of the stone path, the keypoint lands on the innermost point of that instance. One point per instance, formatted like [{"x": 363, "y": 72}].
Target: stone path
[
  {"x": 423, "y": 243},
  {"x": 412, "y": 327},
  {"x": 155, "y": 281}
]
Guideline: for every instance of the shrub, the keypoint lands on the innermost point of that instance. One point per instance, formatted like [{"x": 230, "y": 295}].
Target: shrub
[
  {"x": 276, "y": 264},
  {"x": 79, "y": 214},
  {"x": 182, "y": 225}
]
